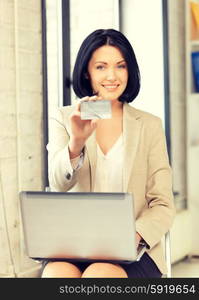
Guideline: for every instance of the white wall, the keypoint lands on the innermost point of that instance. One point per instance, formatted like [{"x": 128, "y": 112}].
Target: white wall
[
  {"x": 21, "y": 123},
  {"x": 142, "y": 24},
  {"x": 54, "y": 53}
]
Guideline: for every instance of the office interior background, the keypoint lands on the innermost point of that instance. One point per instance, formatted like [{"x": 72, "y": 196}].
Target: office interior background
[{"x": 38, "y": 45}]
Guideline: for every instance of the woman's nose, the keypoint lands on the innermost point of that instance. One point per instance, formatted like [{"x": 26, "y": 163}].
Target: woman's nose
[{"x": 111, "y": 74}]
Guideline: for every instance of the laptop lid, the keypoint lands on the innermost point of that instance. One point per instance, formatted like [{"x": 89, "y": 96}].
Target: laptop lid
[{"x": 79, "y": 226}]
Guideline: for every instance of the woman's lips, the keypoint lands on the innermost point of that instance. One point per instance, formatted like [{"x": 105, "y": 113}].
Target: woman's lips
[{"x": 110, "y": 87}]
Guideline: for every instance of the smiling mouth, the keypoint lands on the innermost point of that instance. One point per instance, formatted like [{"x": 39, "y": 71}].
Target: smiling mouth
[{"x": 111, "y": 87}]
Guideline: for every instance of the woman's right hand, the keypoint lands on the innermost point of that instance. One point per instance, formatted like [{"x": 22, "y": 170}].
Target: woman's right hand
[{"x": 80, "y": 129}]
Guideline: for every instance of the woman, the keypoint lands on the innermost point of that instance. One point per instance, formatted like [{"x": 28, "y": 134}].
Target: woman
[{"x": 126, "y": 153}]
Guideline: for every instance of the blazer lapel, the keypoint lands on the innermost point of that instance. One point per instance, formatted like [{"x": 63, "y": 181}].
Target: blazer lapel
[
  {"x": 131, "y": 133},
  {"x": 91, "y": 147}
]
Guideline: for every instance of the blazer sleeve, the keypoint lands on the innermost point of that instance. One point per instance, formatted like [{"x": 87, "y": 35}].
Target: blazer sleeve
[
  {"x": 61, "y": 174},
  {"x": 158, "y": 217}
]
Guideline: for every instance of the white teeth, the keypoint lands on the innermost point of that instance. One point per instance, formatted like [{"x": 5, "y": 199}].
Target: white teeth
[{"x": 110, "y": 86}]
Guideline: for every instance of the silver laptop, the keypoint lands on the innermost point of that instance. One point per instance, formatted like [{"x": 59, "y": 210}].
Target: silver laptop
[{"x": 79, "y": 226}]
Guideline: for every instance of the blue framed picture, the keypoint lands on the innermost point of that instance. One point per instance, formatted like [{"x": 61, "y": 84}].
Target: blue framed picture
[{"x": 195, "y": 68}]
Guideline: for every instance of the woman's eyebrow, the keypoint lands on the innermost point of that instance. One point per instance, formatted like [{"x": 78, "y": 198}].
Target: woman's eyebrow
[
  {"x": 103, "y": 62},
  {"x": 119, "y": 62}
]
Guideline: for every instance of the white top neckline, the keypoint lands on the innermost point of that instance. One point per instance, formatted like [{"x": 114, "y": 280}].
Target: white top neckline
[
  {"x": 113, "y": 148},
  {"x": 109, "y": 169}
]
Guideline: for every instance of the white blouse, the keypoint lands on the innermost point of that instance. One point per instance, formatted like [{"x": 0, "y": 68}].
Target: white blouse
[{"x": 109, "y": 168}]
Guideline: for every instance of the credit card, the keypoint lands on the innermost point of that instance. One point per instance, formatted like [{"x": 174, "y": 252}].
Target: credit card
[{"x": 98, "y": 109}]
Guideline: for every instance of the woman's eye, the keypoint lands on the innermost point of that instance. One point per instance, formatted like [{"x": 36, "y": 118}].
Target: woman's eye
[
  {"x": 122, "y": 66},
  {"x": 99, "y": 67}
]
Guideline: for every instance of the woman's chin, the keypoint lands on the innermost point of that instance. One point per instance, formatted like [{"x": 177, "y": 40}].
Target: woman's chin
[{"x": 109, "y": 97}]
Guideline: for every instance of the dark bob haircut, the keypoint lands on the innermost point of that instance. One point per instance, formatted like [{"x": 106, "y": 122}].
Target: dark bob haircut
[{"x": 81, "y": 83}]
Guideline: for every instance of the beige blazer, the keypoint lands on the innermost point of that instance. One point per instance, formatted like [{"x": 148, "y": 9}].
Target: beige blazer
[{"x": 147, "y": 173}]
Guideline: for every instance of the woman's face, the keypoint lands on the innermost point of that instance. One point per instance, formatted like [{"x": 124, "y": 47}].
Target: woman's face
[{"x": 108, "y": 72}]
